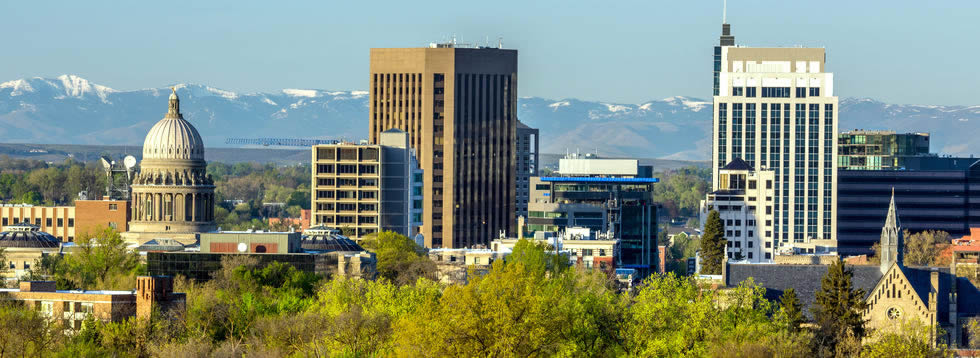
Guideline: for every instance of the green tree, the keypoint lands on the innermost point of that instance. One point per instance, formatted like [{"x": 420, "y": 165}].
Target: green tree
[
  {"x": 972, "y": 328},
  {"x": 32, "y": 198},
  {"x": 399, "y": 258},
  {"x": 713, "y": 244},
  {"x": 925, "y": 248},
  {"x": 25, "y": 332},
  {"x": 911, "y": 339},
  {"x": 523, "y": 306},
  {"x": 838, "y": 312},
  {"x": 101, "y": 259},
  {"x": 791, "y": 310}
]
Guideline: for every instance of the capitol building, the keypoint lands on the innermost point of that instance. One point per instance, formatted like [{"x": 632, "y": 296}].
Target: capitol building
[{"x": 172, "y": 195}]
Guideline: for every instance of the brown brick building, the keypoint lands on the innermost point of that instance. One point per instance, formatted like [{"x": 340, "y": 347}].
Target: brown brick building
[
  {"x": 459, "y": 106},
  {"x": 66, "y": 222},
  {"x": 73, "y": 307},
  {"x": 91, "y": 214}
]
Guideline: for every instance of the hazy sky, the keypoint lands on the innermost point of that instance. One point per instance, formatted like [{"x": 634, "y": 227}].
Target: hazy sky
[{"x": 921, "y": 52}]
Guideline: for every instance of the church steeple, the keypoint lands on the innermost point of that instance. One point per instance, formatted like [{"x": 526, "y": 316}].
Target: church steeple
[{"x": 892, "y": 243}]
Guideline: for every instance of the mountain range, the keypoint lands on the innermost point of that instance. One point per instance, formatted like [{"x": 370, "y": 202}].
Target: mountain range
[{"x": 72, "y": 110}]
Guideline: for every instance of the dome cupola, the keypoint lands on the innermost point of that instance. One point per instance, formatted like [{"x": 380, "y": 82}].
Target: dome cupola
[{"x": 173, "y": 137}]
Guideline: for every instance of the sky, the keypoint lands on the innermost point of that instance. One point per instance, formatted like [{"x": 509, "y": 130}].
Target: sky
[{"x": 901, "y": 51}]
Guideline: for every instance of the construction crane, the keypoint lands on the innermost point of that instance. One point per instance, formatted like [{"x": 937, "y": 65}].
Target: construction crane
[{"x": 282, "y": 142}]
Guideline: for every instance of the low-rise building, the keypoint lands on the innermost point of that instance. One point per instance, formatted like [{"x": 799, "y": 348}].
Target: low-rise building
[
  {"x": 299, "y": 224},
  {"x": 603, "y": 195},
  {"x": 67, "y": 222},
  {"x": 319, "y": 250},
  {"x": 23, "y": 244},
  {"x": 744, "y": 202},
  {"x": 582, "y": 246},
  {"x": 73, "y": 307}
]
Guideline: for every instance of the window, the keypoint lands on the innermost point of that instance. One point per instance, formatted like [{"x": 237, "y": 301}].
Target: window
[
  {"x": 417, "y": 190},
  {"x": 751, "y": 184},
  {"x": 737, "y": 91},
  {"x": 729, "y": 222},
  {"x": 750, "y": 255},
  {"x": 768, "y": 256},
  {"x": 47, "y": 308},
  {"x": 814, "y": 91},
  {"x": 800, "y": 92},
  {"x": 37, "y": 221},
  {"x": 738, "y": 222},
  {"x": 751, "y": 234},
  {"x": 768, "y": 244},
  {"x": 61, "y": 222},
  {"x": 27, "y": 265},
  {"x": 113, "y": 207},
  {"x": 5, "y": 221},
  {"x": 47, "y": 222},
  {"x": 738, "y": 233},
  {"x": 586, "y": 252},
  {"x": 542, "y": 187},
  {"x": 71, "y": 222},
  {"x": 476, "y": 260},
  {"x": 750, "y": 91},
  {"x": 775, "y": 92},
  {"x": 768, "y": 184},
  {"x": 738, "y": 244}
]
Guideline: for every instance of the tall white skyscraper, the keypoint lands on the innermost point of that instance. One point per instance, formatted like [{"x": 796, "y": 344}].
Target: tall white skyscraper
[{"x": 775, "y": 108}]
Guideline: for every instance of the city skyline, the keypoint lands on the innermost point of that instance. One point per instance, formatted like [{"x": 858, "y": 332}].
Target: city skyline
[{"x": 297, "y": 46}]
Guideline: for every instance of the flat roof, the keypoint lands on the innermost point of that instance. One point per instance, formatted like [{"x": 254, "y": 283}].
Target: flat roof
[{"x": 600, "y": 180}]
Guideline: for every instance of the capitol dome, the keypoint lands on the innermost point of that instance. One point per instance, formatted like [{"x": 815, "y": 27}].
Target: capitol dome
[{"x": 173, "y": 137}]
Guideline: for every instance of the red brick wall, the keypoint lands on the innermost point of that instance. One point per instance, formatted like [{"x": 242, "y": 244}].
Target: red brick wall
[{"x": 91, "y": 214}]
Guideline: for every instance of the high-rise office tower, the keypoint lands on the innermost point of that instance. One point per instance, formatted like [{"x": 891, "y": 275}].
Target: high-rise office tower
[
  {"x": 459, "y": 106},
  {"x": 775, "y": 108},
  {"x": 527, "y": 164}
]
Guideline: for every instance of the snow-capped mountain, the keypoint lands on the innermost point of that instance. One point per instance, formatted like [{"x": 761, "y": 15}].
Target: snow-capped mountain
[{"x": 72, "y": 110}]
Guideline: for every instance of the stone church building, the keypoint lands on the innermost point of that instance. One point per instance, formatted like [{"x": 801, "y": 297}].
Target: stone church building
[{"x": 894, "y": 292}]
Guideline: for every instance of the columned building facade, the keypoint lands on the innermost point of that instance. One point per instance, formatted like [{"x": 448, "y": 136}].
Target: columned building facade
[
  {"x": 775, "y": 109},
  {"x": 172, "y": 196}
]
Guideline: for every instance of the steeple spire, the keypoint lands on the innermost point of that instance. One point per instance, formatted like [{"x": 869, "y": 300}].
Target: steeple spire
[
  {"x": 174, "y": 109},
  {"x": 892, "y": 243}
]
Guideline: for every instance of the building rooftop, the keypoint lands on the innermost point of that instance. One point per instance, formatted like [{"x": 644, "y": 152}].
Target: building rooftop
[
  {"x": 25, "y": 235},
  {"x": 600, "y": 180},
  {"x": 738, "y": 164}
]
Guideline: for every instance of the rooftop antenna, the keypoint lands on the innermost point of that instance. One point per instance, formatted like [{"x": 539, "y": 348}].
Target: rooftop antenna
[
  {"x": 724, "y": 12},
  {"x": 500, "y": 42}
]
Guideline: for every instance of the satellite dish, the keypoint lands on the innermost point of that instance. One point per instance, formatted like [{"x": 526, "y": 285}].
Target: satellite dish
[
  {"x": 106, "y": 163},
  {"x": 129, "y": 161},
  {"x": 242, "y": 247}
]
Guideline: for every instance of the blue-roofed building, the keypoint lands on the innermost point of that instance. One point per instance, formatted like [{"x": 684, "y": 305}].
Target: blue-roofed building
[{"x": 614, "y": 196}]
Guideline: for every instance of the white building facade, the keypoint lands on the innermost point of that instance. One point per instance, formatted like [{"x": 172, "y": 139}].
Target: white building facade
[
  {"x": 776, "y": 109},
  {"x": 745, "y": 203}
]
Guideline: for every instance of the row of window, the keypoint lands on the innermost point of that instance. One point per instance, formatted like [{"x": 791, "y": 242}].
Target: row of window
[
  {"x": 37, "y": 221},
  {"x": 776, "y": 92}
]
